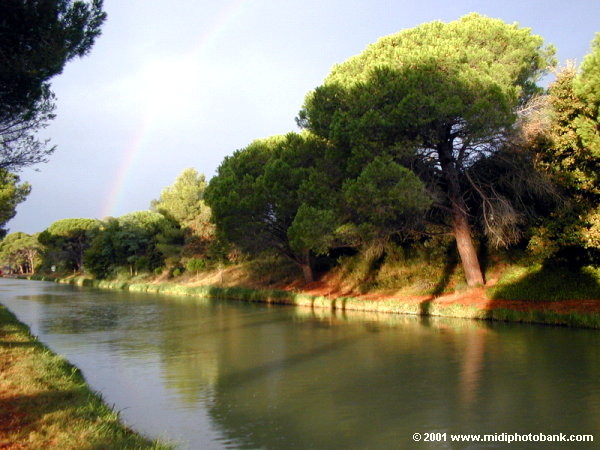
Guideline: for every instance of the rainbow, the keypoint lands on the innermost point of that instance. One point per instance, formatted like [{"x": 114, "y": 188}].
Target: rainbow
[{"x": 115, "y": 197}]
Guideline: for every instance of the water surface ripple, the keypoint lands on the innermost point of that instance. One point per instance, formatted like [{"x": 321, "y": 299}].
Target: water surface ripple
[{"x": 216, "y": 374}]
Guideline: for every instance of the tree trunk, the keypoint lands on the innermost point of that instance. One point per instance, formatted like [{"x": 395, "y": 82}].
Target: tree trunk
[
  {"x": 31, "y": 262},
  {"x": 307, "y": 269},
  {"x": 466, "y": 248},
  {"x": 460, "y": 220},
  {"x": 308, "y": 273}
]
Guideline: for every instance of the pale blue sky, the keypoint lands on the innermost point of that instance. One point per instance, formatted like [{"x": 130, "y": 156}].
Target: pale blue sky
[{"x": 171, "y": 85}]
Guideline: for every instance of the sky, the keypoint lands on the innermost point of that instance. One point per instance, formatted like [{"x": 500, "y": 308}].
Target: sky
[{"x": 172, "y": 85}]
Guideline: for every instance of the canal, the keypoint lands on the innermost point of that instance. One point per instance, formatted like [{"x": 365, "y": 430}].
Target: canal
[{"x": 219, "y": 374}]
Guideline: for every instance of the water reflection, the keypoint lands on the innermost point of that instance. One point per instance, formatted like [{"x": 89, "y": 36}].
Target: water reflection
[{"x": 214, "y": 374}]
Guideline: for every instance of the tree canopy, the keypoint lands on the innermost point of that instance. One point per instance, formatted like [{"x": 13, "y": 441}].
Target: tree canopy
[
  {"x": 138, "y": 241},
  {"x": 256, "y": 195},
  {"x": 11, "y": 194},
  {"x": 68, "y": 239},
  {"x": 37, "y": 39},
  {"x": 587, "y": 122},
  {"x": 568, "y": 149},
  {"x": 436, "y": 98},
  {"x": 21, "y": 252},
  {"x": 433, "y": 141},
  {"x": 184, "y": 202}
]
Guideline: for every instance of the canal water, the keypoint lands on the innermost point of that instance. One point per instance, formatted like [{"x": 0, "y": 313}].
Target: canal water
[{"x": 218, "y": 374}]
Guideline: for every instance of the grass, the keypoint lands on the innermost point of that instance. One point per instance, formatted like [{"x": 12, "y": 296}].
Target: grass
[
  {"x": 45, "y": 402},
  {"x": 418, "y": 271},
  {"x": 540, "y": 283}
]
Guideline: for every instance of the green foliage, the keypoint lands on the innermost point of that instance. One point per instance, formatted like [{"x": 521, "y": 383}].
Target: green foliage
[
  {"x": 169, "y": 241},
  {"x": 140, "y": 241},
  {"x": 184, "y": 202},
  {"x": 587, "y": 87},
  {"x": 21, "y": 252},
  {"x": 256, "y": 195},
  {"x": 466, "y": 74},
  {"x": 483, "y": 48},
  {"x": 37, "y": 40},
  {"x": 547, "y": 283},
  {"x": 312, "y": 229},
  {"x": 196, "y": 265},
  {"x": 65, "y": 228},
  {"x": 143, "y": 234},
  {"x": 67, "y": 240},
  {"x": 573, "y": 162},
  {"x": 436, "y": 99},
  {"x": 569, "y": 150},
  {"x": 238, "y": 205},
  {"x": 399, "y": 133},
  {"x": 385, "y": 199},
  {"x": 102, "y": 252},
  {"x": 11, "y": 194}
]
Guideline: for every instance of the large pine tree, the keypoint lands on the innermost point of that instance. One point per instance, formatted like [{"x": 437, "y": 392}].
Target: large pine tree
[{"x": 436, "y": 98}]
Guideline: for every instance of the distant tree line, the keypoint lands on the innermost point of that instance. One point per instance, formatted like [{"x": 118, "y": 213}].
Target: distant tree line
[
  {"x": 437, "y": 136},
  {"x": 151, "y": 241}
]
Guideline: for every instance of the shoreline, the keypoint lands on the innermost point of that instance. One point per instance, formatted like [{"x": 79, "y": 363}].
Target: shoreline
[
  {"x": 470, "y": 304},
  {"x": 45, "y": 401}
]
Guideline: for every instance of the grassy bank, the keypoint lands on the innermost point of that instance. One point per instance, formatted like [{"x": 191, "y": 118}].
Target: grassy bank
[
  {"x": 473, "y": 304},
  {"x": 539, "y": 283},
  {"x": 45, "y": 402}
]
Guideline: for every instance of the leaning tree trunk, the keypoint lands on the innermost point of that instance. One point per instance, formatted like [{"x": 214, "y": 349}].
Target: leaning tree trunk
[{"x": 460, "y": 220}]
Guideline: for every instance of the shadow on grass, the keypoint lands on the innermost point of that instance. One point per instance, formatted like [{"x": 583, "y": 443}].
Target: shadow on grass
[
  {"x": 449, "y": 268},
  {"x": 10, "y": 344},
  {"x": 31, "y": 408},
  {"x": 550, "y": 284},
  {"x": 77, "y": 411}
]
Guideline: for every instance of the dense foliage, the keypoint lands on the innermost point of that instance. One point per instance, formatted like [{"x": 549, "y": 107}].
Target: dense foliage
[
  {"x": 37, "y": 39},
  {"x": 184, "y": 203},
  {"x": 437, "y": 99},
  {"x": 257, "y": 194},
  {"x": 21, "y": 252},
  {"x": 568, "y": 149},
  {"x": 67, "y": 240},
  {"x": 11, "y": 194},
  {"x": 434, "y": 144},
  {"x": 139, "y": 241}
]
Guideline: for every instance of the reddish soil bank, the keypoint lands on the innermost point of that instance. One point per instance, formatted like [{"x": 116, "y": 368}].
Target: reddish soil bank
[{"x": 475, "y": 297}]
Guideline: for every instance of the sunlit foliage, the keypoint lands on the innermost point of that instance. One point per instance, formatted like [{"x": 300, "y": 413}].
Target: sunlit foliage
[
  {"x": 436, "y": 98},
  {"x": 67, "y": 240}
]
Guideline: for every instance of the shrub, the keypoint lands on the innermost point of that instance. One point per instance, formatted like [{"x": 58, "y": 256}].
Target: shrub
[
  {"x": 196, "y": 265},
  {"x": 177, "y": 271}
]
